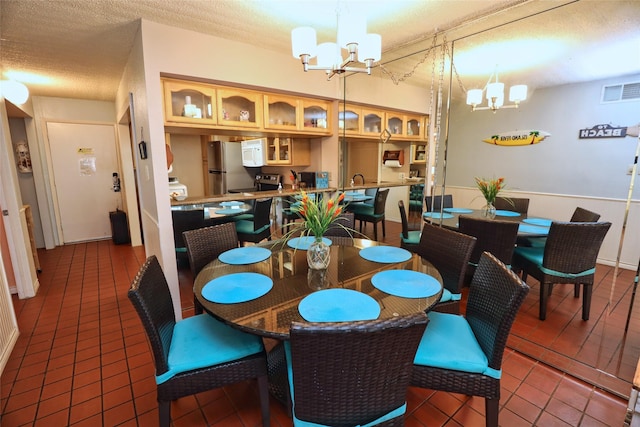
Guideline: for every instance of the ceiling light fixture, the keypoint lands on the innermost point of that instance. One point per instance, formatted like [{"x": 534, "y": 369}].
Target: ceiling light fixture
[
  {"x": 495, "y": 95},
  {"x": 14, "y": 91},
  {"x": 352, "y": 36}
]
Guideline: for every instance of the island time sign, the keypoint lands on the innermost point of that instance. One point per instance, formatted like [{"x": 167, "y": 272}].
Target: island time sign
[{"x": 517, "y": 137}]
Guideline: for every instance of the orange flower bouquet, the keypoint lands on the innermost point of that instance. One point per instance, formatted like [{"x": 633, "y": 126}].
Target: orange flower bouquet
[
  {"x": 317, "y": 216},
  {"x": 490, "y": 188}
]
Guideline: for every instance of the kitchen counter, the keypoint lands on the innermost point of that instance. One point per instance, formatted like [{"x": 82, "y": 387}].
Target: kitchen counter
[{"x": 287, "y": 191}]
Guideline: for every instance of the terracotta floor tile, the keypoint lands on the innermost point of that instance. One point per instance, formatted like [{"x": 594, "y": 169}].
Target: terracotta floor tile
[{"x": 82, "y": 342}]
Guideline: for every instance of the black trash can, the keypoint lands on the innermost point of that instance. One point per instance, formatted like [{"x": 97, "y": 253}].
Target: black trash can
[{"x": 119, "y": 227}]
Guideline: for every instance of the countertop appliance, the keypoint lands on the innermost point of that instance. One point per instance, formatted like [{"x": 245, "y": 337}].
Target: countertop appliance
[
  {"x": 226, "y": 169},
  {"x": 253, "y": 152},
  {"x": 176, "y": 189},
  {"x": 308, "y": 178}
]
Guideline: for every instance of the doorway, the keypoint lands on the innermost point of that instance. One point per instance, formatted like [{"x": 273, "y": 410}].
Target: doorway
[{"x": 84, "y": 160}]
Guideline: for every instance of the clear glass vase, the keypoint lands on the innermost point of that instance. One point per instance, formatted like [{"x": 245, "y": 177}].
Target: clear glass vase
[
  {"x": 318, "y": 255},
  {"x": 489, "y": 210}
]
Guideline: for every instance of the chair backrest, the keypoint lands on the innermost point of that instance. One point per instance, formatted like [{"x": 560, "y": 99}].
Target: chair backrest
[
  {"x": 439, "y": 202},
  {"x": 416, "y": 192},
  {"x": 584, "y": 215},
  {"x": 371, "y": 192},
  {"x": 448, "y": 251},
  {"x": 351, "y": 373},
  {"x": 495, "y": 296},
  {"x": 261, "y": 212},
  {"x": 205, "y": 244},
  {"x": 380, "y": 202},
  {"x": 497, "y": 237},
  {"x": 515, "y": 204},
  {"x": 403, "y": 219},
  {"x": 572, "y": 247},
  {"x": 184, "y": 220},
  {"x": 344, "y": 226},
  {"x": 150, "y": 295}
]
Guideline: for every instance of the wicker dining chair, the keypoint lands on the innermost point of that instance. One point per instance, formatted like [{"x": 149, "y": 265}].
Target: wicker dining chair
[
  {"x": 259, "y": 228},
  {"x": 352, "y": 373},
  {"x": 569, "y": 256},
  {"x": 448, "y": 251},
  {"x": 515, "y": 204},
  {"x": 344, "y": 226},
  {"x": 584, "y": 215},
  {"x": 496, "y": 237},
  {"x": 436, "y": 203},
  {"x": 204, "y": 245},
  {"x": 464, "y": 354},
  {"x": 197, "y": 353},
  {"x": 409, "y": 239},
  {"x": 373, "y": 214}
]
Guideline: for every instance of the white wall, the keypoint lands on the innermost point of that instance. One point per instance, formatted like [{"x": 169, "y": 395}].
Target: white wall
[{"x": 561, "y": 172}]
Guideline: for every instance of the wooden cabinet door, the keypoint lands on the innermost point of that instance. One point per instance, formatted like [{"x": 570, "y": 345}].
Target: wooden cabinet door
[{"x": 188, "y": 102}]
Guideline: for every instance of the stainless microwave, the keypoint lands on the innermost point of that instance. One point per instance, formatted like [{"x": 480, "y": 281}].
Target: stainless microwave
[{"x": 253, "y": 152}]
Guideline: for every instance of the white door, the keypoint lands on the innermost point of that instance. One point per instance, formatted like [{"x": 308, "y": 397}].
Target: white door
[{"x": 83, "y": 158}]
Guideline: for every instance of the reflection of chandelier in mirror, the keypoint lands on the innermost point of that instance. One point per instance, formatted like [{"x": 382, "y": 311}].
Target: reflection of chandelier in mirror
[
  {"x": 495, "y": 95},
  {"x": 352, "y": 36},
  {"x": 14, "y": 91}
]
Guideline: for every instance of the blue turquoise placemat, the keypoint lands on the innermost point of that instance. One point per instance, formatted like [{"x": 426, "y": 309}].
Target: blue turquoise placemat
[
  {"x": 338, "y": 305},
  {"x": 532, "y": 229},
  {"x": 406, "y": 283},
  {"x": 237, "y": 287},
  {"x": 304, "y": 242},
  {"x": 501, "y": 212},
  {"x": 385, "y": 254},
  {"x": 230, "y": 211},
  {"x": 457, "y": 210},
  {"x": 232, "y": 203},
  {"x": 245, "y": 255},
  {"x": 543, "y": 222},
  {"x": 437, "y": 215}
]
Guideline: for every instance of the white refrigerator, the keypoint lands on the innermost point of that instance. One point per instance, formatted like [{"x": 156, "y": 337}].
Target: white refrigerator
[{"x": 226, "y": 170}]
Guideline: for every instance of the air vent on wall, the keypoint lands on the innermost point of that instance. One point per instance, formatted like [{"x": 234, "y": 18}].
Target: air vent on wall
[{"x": 621, "y": 92}]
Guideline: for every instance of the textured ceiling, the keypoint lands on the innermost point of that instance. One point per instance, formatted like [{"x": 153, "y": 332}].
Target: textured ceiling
[{"x": 78, "y": 48}]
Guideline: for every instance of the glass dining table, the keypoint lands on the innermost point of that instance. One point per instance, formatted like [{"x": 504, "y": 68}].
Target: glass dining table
[
  {"x": 262, "y": 289},
  {"x": 529, "y": 226}
]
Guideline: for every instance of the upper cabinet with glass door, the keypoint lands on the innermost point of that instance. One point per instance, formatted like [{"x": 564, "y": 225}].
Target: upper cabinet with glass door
[
  {"x": 350, "y": 119},
  {"x": 281, "y": 112},
  {"x": 188, "y": 102},
  {"x": 316, "y": 116},
  {"x": 405, "y": 127},
  {"x": 239, "y": 108}
]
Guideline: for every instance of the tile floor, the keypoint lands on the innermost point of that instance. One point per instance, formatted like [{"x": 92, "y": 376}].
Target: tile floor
[{"x": 82, "y": 359}]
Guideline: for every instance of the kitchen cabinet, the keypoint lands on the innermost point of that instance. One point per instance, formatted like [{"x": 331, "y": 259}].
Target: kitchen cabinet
[
  {"x": 370, "y": 122},
  {"x": 281, "y": 112},
  {"x": 239, "y": 108},
  {"x": 288, "y": 152},
  {"x": 405, "y": 127},
  {"x": 189, "y": 103},
  {"x": 316, "y": 116},
  {"x": 373, "y": 122},
  {"x": 418, "y": 153}
]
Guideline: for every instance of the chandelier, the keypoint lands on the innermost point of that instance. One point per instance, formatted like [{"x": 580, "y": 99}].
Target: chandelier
[
  {"x": 495, "y": 95},
  {"x": 352, "y": 36}
]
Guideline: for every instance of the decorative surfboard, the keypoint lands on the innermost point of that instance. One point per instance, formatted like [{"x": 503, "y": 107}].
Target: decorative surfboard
[{"x": 517, "y": 137}]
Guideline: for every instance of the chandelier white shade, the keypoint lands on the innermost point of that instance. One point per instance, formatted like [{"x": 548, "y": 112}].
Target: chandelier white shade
[
  {"x": 352, "y": 36},
  {"x": 494, "y": 92}
]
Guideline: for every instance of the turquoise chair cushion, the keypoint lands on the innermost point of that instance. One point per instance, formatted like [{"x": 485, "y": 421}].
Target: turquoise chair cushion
[
  {"x": 300, "y": 423},
  {"x": 449, "y": 343},
  {"x": 361, "y": 208},
  {"x": 448, "y": 296},
  {"x": 536, "y": 256},
  {"x": 537, "y": 242},
  {"x": 243, "y": 217},
  {"x": 413, "y": 237},
  {"x": 181, "y": 250},
  {"x": 201, "y": 341},
  {"x": 246, "y": 227}
]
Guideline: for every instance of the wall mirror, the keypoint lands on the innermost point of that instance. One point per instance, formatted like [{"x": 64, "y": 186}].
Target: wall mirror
[{"x": 598, "y": 351}]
